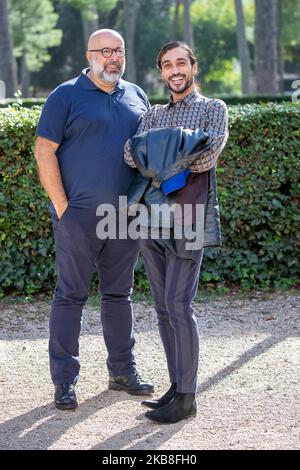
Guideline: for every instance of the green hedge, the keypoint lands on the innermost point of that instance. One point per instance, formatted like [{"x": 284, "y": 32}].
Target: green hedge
[
  {"x": 26, "y": 247},
  {"x": 258, "y": 179},
  {"x": 229, "y": 100},
  {"x": 25, "y": 102}
]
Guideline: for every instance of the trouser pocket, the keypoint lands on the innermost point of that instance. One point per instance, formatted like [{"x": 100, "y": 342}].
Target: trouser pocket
[{"x": 56, "y": 221}]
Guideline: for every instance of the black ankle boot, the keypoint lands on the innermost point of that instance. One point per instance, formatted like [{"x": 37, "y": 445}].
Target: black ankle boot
[
  {"x": 182, "y": 406},
  {"x": 166, "y": 398},
  {"x": 65, "y": 397}
]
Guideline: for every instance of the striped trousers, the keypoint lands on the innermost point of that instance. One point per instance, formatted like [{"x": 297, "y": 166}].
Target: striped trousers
[{"x": 174, "y": 282}]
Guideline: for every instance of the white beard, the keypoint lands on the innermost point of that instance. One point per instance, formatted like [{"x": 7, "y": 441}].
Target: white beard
[{"x": 100, "y": 72}]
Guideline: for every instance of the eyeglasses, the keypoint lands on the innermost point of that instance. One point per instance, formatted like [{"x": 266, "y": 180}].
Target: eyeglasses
[{"x": 108, "y": 52}]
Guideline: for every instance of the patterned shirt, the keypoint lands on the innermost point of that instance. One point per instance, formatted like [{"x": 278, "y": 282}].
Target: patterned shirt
[{"x": 194, "y": 111}]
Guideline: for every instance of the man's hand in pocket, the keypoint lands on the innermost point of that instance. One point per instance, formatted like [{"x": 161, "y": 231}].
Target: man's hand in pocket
[{"x": 60, "y": 209}]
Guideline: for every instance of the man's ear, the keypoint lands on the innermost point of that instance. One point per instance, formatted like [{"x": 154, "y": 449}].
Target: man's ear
[
  {"x": 88, "y": 56},
  {"x": 195, "y": 69}
]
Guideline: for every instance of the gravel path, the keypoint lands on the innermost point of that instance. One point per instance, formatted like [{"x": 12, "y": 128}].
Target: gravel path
[{"x": 248, "y": 381}]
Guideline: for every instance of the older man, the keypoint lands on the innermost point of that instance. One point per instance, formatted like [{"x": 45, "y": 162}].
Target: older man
[{"x": 80, "y": 138}]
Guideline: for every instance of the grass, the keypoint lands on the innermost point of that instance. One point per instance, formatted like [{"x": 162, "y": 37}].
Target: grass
[{"x": 206, "y": 293}]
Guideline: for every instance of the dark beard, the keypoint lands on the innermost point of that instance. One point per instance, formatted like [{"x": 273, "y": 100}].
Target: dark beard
[{"x": 188, "y": 83}]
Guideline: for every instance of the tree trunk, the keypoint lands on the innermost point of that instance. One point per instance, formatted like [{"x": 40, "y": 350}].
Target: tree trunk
[
  {"x": 130, "y": 14},
  {"x": 188, "y": 28},
  {"x": 176, "y": 21},
  {"x": 266, "y": 51},
  {"x": 7, "y": 65},
  {"x": 243, "y": 47},
  {"x": 90, "y": 22},
  {"x": 25, "y": 77},
  {"x": 280, "y": 47}
]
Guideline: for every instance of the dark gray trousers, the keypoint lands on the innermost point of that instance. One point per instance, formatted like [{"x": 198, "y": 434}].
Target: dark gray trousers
[
  {"x": 77, "y": 251},
  {"x": 174, "y": 282}
]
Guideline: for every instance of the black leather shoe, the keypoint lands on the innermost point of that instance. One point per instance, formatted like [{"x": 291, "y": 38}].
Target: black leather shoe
[
  {"x": 131, "y": 383},
  {"x": 182, "y": 406},
  {"x": 166, "y": 398},
  {"x": 65, "y": 397}
]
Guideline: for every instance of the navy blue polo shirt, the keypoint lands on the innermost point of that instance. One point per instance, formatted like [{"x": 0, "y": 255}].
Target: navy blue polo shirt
[{"x": 91, "y": 128}]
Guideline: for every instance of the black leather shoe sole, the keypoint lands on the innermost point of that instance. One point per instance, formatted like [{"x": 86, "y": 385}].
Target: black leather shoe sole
[
  {"x": 66, "y": 406},
  {"x": 118, "y": 387},
  {"x": 171, "y": 422},
  {"x": 192, "y": 414}
]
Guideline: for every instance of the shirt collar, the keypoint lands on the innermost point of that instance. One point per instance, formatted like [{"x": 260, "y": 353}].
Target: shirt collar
[
  {"x": 189, "y": 99},
  {"x": 87, "y": 84}
]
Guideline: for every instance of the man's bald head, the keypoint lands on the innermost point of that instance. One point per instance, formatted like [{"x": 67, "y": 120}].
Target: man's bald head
[
  {"x": 98, "y": 39},
  {"x": 104, "y": 67}
]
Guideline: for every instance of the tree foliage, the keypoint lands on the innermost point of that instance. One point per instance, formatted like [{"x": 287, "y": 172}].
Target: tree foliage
[
  {"x": 34, "y": 32},
  {"x": 36, "y": 24}
]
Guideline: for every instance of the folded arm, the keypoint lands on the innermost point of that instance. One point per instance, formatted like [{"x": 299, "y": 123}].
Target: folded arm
[{"x": 217, "y": 129}]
